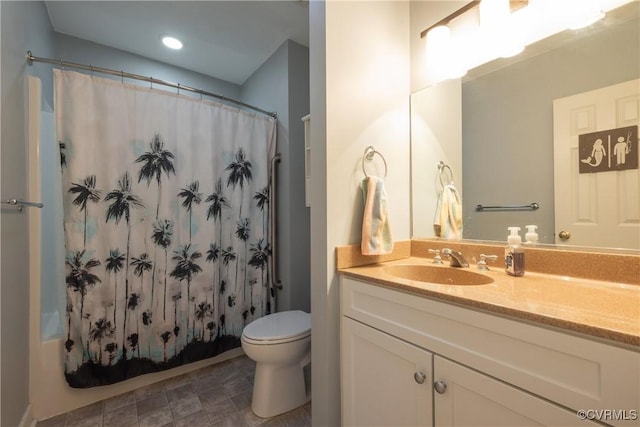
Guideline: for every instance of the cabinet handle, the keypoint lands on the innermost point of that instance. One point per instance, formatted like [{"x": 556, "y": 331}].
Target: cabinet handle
[
  {"x": 440, "y": 386},
  {"x": 419, "y": 377}
]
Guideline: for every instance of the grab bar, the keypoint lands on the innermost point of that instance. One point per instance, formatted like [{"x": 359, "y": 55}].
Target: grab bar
[
  {"x": 273, "y": 223},
  {"x": 22, "y": 203},
  {"x": 533, "y": 206}
]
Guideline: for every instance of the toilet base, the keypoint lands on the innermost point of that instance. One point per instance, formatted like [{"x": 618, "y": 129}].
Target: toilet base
[{"x": 278, "y": 389}]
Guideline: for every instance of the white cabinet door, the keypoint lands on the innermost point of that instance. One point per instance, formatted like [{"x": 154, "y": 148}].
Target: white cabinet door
[
  {"x": 470, "y": 398},
  {"x": 385, "y": 381}
]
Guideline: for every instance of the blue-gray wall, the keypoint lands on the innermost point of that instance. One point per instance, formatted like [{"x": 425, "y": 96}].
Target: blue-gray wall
[
  {"x": 85, "y": 52},
  {"x": 281, "y": 85},
  {"x": 24, "y": 26}
]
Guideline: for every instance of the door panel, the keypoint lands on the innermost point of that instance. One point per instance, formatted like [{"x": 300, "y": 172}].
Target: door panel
[{"x": 597, "y": 209}]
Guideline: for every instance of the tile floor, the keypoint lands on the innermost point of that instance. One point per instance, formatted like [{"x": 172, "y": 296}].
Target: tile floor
[{"x": 215, "y": 396}]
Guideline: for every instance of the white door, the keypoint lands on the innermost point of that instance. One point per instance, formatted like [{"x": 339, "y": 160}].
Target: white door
[
  {"x": 385, "y": 381},
  {"x": 465, "y": 397},
  {"x": 602, "y": 208}
]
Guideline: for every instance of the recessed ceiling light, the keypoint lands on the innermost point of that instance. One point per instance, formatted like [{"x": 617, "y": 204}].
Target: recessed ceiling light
[{"x": 172, "y": 42}]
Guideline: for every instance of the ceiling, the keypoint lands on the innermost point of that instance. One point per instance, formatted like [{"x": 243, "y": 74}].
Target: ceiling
[{"x": 228, "y": 40}]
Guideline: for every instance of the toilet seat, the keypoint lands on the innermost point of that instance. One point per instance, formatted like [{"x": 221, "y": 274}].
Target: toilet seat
[{"x": 278, "y": 328}]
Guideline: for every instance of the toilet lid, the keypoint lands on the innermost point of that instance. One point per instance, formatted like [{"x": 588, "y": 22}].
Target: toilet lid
[{"x": 279, "y": 326}]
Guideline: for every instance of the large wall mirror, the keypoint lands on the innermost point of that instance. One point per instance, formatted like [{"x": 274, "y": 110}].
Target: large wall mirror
[{"x": 495, "y": 129}]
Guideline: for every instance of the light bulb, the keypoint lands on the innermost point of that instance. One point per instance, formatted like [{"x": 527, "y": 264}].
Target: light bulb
[
  {"x": 172, "y": 42},
  {"x": 494, "y": 12},
  {"x": 438, "y": 44}
]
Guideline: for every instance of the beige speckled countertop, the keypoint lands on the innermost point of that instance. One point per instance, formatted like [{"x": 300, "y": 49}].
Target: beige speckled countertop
[{"x": 602, "y": 309}]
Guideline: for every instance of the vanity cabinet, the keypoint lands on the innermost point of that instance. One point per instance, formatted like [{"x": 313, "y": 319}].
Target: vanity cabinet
[
  {"x": 386, "y": 381},
  {"x": 478, "y": 368},
  {"x": 469, "y": 398}
]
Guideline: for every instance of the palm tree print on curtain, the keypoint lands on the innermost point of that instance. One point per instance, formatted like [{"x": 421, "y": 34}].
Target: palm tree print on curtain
[{"x": 166, "y": 226}]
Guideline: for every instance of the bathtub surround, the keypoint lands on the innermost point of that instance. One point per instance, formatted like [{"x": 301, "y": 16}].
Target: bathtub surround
[{"x": 24, "y": 25}]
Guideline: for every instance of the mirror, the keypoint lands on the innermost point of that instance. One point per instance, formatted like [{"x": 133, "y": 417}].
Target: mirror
[{"x": 498, "y": 140}]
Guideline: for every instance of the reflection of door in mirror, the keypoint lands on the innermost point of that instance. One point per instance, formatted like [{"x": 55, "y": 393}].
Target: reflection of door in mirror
[{"x": 599, "y": 208}]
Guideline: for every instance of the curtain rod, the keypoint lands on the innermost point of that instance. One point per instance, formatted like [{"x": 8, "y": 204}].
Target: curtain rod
[{"x": 31, "y": 59}]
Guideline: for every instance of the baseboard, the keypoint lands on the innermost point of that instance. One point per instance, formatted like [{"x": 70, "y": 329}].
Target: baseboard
[{"x": 27, "y": 418}]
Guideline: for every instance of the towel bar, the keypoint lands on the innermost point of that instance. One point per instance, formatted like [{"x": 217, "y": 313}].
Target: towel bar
[
  {"x": 22, "y": 203},
  {"x": 532, "y": 206}
]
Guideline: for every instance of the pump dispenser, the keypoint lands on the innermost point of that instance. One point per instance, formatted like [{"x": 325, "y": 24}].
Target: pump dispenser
[
  {"x": 531, "y": 237},
  {"x": 514, "y": 254}
]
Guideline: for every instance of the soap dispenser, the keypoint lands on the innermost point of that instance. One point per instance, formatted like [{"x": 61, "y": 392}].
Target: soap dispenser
[
  {"x": 514, "y": 254},
  {"x": 531, "y": 237}
]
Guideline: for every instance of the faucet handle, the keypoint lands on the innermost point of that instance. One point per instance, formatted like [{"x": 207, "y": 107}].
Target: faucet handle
[
  {"x": 437, "y": 259},
  {"x": 482, "y": 264}
]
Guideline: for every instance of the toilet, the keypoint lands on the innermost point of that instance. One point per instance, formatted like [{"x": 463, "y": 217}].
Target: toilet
[{"x": 280, "y": 344}]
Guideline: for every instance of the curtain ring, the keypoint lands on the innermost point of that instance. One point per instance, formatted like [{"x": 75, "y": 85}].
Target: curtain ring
[
  {"x": 178, "y": 88},
  {"x": 369, "y": 152},
  {"x": 151, "y": 82},
  {"x": 122, "y": 76},
  {"x": 201, "y": 94}
]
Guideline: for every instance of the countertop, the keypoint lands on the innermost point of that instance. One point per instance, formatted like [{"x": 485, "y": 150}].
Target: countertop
[{"x": 600, "y": 309}]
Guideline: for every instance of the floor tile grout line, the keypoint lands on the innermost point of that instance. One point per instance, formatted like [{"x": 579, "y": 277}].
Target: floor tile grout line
[{"x": 242, "y": 369}]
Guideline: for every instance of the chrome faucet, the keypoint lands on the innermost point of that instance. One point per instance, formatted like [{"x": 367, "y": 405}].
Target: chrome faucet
[{"x": 455, "y": 257}]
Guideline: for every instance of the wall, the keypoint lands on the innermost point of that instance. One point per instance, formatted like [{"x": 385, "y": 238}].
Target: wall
[
  {"x": 508, "y": 124},
  {"x": 24, "y": 26},
  {"x": 85, "y": 52},
  {"x": 359, "y": 97},
  {"x": 281, "y": 85}
]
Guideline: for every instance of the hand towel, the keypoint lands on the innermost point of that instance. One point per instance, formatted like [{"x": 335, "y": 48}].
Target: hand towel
[
  {"x": 376, "y": 230},
  {"x": 448, "y": 217}
]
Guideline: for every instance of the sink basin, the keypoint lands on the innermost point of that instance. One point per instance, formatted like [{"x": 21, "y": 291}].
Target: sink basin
[{"x": 439, "y": 275}]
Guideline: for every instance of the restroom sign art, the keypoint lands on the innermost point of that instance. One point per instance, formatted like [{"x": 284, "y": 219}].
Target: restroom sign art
[{"x": 608, "y": 150}]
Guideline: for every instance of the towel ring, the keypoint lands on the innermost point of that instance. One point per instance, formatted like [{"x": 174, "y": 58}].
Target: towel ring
[
  {"x": 369, "y": 152},
  {"x": 441, "y": 171}
]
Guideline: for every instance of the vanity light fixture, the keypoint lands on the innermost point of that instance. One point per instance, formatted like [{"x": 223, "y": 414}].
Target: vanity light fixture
[
  {"x": 446, "y": 57},
  {"x": 484, "y": 30},
  {"x": 586, "y": 14},
  {"x": 172, "y": 42},
  {"x": 446, "y": 53},
  {"x": 571, "y": 14},
  {"x": 501, "y": 35}
]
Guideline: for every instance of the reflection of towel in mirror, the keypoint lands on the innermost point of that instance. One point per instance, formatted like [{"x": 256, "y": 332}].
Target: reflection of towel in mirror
[
  {"x": 376, "y": 231},
  {"x": 448, "y": 218}
]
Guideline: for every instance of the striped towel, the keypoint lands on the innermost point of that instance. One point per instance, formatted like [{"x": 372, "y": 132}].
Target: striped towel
[
  {"x": 376, "y": 231},
  {"x": 448, "y": 217}
]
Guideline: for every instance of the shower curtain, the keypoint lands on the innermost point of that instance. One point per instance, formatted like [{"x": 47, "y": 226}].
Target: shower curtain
[{"x": 166, "y": 226}]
